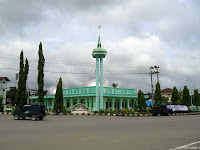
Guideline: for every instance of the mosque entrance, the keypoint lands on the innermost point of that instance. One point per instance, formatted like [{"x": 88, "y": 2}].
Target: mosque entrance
[{"x": 79, "y": 108}]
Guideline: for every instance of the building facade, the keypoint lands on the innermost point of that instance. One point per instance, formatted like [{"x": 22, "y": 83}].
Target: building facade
[
  {"x": 167, "y": 94},
  {"x": 114, "y": 98},
  {"x": 4, "y": 88}
]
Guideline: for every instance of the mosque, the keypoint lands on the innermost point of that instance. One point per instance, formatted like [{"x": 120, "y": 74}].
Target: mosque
[{"x": 96, "y": 93}]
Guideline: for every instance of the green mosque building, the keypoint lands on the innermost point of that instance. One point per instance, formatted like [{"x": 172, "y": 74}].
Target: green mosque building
[{"x": 96, "y": 93}]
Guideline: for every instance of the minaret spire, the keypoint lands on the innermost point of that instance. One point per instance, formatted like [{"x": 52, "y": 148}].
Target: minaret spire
[{"x": 99, "y": 40}]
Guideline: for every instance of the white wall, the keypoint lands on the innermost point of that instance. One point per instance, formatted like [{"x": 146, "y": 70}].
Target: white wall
[{"x": 3, "y": 89}]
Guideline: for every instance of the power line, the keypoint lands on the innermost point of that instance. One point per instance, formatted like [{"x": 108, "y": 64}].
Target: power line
[
  {"x": 169, "y": 72},
  {"x": 188, "y": 80},
  {"x": 52, "y": 61},
  {"x": 74, "y": 72},
  {"x": 66, "y": 62},
  {"x": 179, "y": 75}
]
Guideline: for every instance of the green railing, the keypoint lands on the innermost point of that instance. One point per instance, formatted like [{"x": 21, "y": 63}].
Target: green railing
[
  {"x": 88, "y": 91},
  {"x": 91, "y": 91}
]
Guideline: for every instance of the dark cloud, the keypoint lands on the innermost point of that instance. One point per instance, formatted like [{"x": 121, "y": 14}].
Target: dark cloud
[{"x": 19, "y": 16}]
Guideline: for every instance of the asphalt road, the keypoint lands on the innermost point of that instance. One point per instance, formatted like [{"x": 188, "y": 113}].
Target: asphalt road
[{"x": 100, "y": 133}]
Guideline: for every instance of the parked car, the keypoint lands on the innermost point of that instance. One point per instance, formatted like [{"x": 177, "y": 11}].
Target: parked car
[
  {"x": 33, "y": 110},
  {"x": 161, "y": 111}
]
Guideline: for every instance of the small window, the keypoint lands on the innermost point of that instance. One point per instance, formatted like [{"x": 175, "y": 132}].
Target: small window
[
  {"x": 4, "y": 82},
  {"x": 26, "y": 108}
]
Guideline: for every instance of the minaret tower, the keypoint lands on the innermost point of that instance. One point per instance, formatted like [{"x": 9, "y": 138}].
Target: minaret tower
[{"x": 99, "y": 53}]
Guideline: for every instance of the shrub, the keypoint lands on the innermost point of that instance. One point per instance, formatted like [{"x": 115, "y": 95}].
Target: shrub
[
  {"x": 101, "y": 111},
  {"x": 65, "y": 111},
  {"x": 112, "y": 111},
  {"x": 128, "y": 110},
  {"x": 106, "y": 111}
]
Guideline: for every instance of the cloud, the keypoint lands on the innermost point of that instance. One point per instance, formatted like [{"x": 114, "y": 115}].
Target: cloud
[
  {"x": 132, "y": 51},
  {"x": 137, "y": 34}
]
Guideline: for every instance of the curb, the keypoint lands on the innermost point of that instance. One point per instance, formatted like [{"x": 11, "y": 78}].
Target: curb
[
  {"x": 129, "y": 115},
  {"x": 5, "y": 113}
]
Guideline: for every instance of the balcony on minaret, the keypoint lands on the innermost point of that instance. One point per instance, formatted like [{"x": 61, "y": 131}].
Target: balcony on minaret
[{"x": 99, "y": 52}]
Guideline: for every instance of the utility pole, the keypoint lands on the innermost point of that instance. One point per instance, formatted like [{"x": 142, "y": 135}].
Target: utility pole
[
  {"x": 157, "y": 72},
  {"x": 16, "y": 76},
  {"x": 151, "y": 72}
]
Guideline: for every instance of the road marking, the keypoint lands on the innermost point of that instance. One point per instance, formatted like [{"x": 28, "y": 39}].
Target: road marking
[{"x": 185, "y": 146}]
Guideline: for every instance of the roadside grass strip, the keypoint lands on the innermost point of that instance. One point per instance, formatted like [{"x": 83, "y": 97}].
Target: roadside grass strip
[{"x": 189, "y": 146}]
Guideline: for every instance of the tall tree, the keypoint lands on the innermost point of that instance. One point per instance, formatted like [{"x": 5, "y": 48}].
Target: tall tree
[
  {"x": 12, "y": 95},
  {"x": 196, "y": 101},
  {"x": 175, "y": 96},
  {"x": 58, "y": 105},
  {"x": 141, "y": 101},
  {"x": 26, "y": 70},
  {"x": 158, "y": 97},
  {"x": 23, "y": 101},
  {"x": 40, "y": 79},
  {"x": 135, "y": 105},
  {"x": 186, "y": 97},
  {"x": 180, "y": 95},
  {"x": 20, "y": 81},
  {"x": 21, "y": 98}
]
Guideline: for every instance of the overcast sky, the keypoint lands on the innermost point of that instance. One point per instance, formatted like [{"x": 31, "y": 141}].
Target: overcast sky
[{"x": 136, "y": 34}]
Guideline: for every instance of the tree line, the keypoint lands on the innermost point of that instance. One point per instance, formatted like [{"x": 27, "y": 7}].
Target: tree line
[
  {"x": 178, "y": 98},
  {"x": 184, "y": 98}
]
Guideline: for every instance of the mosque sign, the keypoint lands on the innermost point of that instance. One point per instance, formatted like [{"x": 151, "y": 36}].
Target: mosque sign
[{"x": 79, "y": 108}]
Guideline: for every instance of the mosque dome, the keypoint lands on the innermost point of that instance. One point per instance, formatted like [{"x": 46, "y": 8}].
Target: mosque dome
[
  {"x": 52, "y": 90},
  {"x": 92, "y": 82}
]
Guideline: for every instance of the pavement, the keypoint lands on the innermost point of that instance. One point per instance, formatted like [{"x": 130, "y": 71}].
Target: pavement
[{"x": 73, "y": 132}]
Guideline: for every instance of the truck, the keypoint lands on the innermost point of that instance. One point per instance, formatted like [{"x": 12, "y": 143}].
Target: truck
[
  {"x": 161, "y": 111},
  {"x": 34, "y": 111}
]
